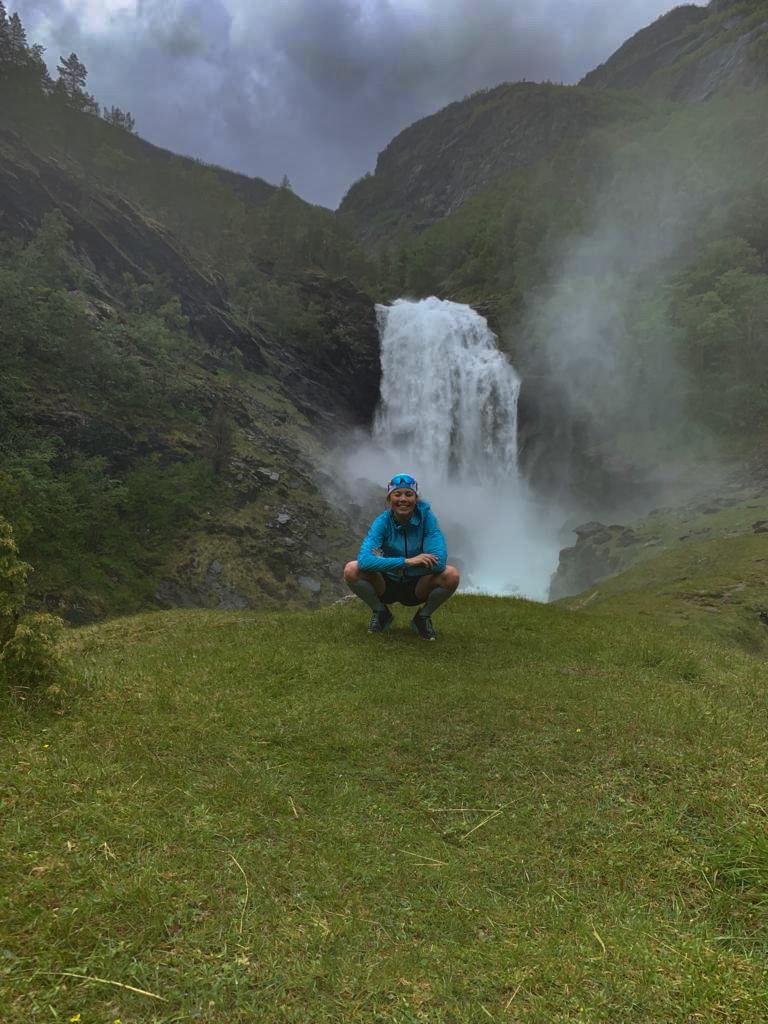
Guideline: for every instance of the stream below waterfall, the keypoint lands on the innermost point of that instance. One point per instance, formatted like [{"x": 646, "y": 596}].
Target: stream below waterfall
[{"x": 448, "y": 415}]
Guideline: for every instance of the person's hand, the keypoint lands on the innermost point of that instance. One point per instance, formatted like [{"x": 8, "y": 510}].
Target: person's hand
[{"x": 424, "y": 561}]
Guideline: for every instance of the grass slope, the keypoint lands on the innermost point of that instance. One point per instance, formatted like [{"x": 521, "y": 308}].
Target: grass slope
[
  {"x": 544, "y": 817},
  {"x": 700, "y": 566}
]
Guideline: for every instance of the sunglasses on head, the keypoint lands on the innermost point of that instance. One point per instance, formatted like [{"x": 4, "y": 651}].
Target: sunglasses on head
[{"x": 402, "y": 480}]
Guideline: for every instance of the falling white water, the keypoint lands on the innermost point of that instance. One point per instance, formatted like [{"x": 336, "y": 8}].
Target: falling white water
[
  {"x": 448, "y": 396},
  {"x": 448, "y": 415}
]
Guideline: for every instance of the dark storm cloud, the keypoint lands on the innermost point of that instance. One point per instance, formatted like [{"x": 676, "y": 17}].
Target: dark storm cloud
[{"x": 315, "y": 88}]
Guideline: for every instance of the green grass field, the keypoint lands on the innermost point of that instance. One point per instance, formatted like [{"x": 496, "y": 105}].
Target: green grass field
[{"x": 547, "y": 816}]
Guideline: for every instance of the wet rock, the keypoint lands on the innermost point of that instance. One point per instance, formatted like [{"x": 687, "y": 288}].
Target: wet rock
[
  {"x": 591, "y": 558},
  {"x": 267, "y": 475}
]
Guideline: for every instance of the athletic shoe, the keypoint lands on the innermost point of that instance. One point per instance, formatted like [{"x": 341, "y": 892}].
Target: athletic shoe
[
  {"x": 422, "y": 624},
  {"x": 380, "y": 620}
]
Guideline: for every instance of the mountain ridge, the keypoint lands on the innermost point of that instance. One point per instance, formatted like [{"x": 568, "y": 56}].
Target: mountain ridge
[
  {"x": 432, "y": 167},
  {"x": 692, "y": 53}
]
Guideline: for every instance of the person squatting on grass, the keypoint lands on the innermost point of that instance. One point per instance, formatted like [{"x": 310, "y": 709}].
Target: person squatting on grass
[{"x": 403, "y": 559}]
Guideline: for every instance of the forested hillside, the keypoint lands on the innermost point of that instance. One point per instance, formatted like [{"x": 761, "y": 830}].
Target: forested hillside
[
  {"x": 429, "y": 170},
  {"x": 693, "y": 53},
  {"x": 177, "y": 344}
]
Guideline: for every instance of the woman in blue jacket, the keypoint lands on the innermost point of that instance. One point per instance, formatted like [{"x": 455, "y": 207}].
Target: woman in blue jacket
[{"x": 403, "y": 559}]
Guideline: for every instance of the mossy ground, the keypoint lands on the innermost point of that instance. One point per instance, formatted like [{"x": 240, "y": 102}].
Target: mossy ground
[{"x": 544, "y": 817}]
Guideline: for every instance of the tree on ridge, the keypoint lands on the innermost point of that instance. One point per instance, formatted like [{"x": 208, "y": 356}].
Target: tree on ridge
[
  {"x": 5, "y": 40},
  {"x": 72, "y": 78},
  {"x": 17, "y": 48},
  {"x": 120, "y": 119},
  {"x": 72, "y": 75}
]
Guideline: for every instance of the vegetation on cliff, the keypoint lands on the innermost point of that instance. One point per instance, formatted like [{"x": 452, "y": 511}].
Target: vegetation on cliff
[
  {"x": 692, "y": 53},
  {"x": 167, "y": 328}
]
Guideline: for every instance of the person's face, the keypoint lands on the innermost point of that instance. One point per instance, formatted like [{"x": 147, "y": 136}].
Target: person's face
[{"x": 403, "y": 501}]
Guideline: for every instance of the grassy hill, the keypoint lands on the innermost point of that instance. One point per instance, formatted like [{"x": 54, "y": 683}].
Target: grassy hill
[{"x": 544, "y": 817}]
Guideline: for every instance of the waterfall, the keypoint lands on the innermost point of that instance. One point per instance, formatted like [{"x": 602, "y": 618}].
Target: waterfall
[
  {"x": 448, "y": 415},
  {"x": 448, "y": 396}
]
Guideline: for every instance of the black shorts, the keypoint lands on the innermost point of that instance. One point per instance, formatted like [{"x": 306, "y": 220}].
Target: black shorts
[{"x": 401, "y": 590}]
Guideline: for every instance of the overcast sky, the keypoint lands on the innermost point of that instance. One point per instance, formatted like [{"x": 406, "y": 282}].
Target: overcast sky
[{"x": 316, "y": 88}]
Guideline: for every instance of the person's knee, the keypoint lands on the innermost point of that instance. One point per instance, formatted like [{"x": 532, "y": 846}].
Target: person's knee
[
  {"x": 450, "y": 578},
  {"x": 351, "y": 572}
]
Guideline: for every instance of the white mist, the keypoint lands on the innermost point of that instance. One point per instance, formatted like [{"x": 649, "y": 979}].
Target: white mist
[{"x": 448, "y": 415}]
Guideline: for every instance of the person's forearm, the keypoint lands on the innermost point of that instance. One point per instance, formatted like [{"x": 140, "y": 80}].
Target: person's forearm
[{"x": 374, "y": 563}]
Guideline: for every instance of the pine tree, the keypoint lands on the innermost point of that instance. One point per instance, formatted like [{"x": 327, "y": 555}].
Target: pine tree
[
  {"x": 37, "y": 61},
  {"x": 72, "y": 75},
  {"x": 88, "y": 104},
  {"x": 5, "y": 36},
  {"x": 18, "y": 50},
  {"x": 120, "y": 119}
]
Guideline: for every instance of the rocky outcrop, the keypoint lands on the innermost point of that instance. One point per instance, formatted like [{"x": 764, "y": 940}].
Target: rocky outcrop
[
  {"x": 438, "y": 163},
  {"x": 345, "y": 372},
  {"x": 593, "y": 557},
  {"x": 692, "y": 53}
]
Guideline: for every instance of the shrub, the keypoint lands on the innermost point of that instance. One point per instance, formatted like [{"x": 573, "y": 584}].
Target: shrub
[
  {"x": 13, "y": 583},
  {"x": 30, "y": 662}
]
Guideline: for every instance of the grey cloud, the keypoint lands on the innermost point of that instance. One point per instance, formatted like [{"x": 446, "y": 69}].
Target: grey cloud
[
  {"x": 316, "y": 88},
  {"x": 183, "y": 39}
]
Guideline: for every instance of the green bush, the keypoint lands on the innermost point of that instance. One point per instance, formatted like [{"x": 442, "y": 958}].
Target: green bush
[
  {"x": 13, "y": 583},
  {"x": 29, "y": 659},
  {"x": 30, "y": 663}
]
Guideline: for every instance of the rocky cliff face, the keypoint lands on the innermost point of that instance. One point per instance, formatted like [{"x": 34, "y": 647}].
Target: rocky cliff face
[
  {"x": 438, "y": 163},
  {"x": 692, "y": 53},
  {"x": 114, "y": 238},
  {"x": 273, "y": 539}
]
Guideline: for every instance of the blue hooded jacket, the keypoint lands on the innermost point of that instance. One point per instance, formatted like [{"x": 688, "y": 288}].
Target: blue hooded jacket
[{"x": 388, "y": 543}]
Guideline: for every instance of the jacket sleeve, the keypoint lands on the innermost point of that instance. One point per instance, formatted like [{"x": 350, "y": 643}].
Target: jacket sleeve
[
  {"x": 370, "y": 562},
  {"x": 434, "y": 542}
]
